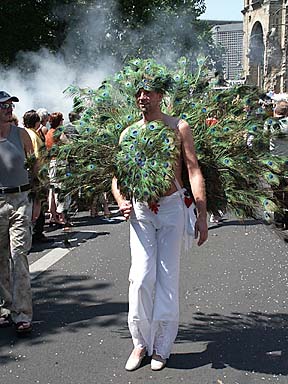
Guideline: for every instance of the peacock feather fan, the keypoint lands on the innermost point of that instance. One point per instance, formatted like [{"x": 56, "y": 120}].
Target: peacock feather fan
[{"x": 227, "y": 126}]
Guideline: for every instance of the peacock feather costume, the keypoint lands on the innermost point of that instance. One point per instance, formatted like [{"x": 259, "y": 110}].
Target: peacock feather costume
[{"x": 227, "y": 126}]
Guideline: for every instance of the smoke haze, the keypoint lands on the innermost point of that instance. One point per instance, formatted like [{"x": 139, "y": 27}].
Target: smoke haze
[
  {"x": 39, "y": 78},
  {"x": 46, "y": 75}
]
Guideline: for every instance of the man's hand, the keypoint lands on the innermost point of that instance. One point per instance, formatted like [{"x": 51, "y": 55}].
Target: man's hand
[
  {"x": 201, "y": 228},
  {"x": 125, "y": 207}
]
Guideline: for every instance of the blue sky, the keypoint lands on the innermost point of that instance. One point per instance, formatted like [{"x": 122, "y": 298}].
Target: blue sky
[{"x": 223, "y": 10}]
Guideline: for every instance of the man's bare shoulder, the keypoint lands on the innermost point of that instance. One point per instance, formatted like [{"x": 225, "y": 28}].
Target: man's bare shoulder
[
  {"x": 22, "y": 130},
  {"x": 171, "y": 121},
  {"x": 183, "y": 124},
  {"x": 26, "y": 140},
  {"x": 24, "y": 133}
]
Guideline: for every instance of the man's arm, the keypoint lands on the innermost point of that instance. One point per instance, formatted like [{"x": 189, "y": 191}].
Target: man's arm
[
  {"x": 27, "y": 142},
  {"x": 124, "y": 205},
  {"x": 196, "y": 180}
]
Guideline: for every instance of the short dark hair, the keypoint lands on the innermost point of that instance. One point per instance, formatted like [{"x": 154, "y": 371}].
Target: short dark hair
[
  {"x": 73, "y": 116},
  {"x": 30, "y": 118},
  {"x": 281, "y": 108},
  {"x": 55, "y": 119}
]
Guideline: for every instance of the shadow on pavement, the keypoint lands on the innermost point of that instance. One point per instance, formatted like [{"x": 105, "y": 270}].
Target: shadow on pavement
[
  {"x": 71, "y": 238},
  {"x": 255, "y": 342},
  {"x": 66, "y": 304},
  {"x": 235, "y": 222}
]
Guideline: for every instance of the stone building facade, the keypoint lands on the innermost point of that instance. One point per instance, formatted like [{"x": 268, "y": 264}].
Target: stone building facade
[{"x": 265, "y": 27}]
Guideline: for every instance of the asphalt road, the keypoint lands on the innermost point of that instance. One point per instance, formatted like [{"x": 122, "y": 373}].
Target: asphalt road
[{"x": 234, "y": 315}]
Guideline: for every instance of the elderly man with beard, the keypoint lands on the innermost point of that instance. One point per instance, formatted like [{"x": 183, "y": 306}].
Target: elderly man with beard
[
  {"x": 15, "y": 221},
  {"x": 155, "y": 241}
]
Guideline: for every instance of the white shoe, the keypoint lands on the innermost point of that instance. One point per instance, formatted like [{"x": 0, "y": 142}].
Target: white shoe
[
  {"x": 135, "y": 359},
  {"x": 157, "y": 363}
]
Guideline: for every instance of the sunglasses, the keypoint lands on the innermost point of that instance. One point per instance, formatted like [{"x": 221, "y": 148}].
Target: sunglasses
[{"x": 7, "y": 105}]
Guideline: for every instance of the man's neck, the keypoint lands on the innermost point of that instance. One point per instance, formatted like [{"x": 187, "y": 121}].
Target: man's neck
[{"x": 151, "y": 116}]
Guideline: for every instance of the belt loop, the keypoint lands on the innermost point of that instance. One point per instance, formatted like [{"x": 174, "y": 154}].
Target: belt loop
[{"x": 2, "y": 190}]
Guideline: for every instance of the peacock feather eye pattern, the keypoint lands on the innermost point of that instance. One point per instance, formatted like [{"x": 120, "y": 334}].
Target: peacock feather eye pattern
[
  {"x": 136, "y": 62},
  {"x": 253, "y": 128},
  {"x": 271, "y": 178},
  {"x": 148, "y": 162},
  {"x": 119, "y": 76},
  {"x": 152, "y": 126}
]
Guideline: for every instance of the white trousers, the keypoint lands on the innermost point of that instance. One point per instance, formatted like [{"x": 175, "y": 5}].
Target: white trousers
[{"x": 155, "y": 241}]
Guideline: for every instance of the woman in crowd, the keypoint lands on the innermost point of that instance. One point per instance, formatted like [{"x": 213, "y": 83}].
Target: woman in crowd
[{"x": 57, "y": 208}]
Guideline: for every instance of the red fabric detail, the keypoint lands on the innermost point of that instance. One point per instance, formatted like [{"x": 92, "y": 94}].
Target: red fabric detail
[
  {"x": 188, "y": 200},
  {"x": 210, "y": 121},
  {"x": 154, "y": 206}
]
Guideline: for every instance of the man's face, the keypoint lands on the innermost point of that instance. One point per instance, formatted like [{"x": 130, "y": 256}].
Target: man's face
[
  {"x": 6, "y": 109},
  {"x": 148, "y": 101}
]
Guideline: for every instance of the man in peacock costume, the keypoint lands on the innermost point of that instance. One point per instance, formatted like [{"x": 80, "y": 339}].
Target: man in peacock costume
[
  {"x": 148, "y": 150},
  {"x": 224, "y": 122},
  {"x": 157, "y": 219}
]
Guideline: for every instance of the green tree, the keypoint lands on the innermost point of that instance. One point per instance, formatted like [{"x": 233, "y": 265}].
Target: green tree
[
  {"x": 87, "y": 30},
  {"x": 28, "y": 25}
]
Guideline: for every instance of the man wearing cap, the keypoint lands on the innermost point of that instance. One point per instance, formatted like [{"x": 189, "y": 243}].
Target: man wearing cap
[{"x": 15, "y": 221}]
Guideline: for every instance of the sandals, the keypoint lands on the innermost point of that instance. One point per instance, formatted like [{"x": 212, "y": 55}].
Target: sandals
[
  {"x": 23, "y": 327},
  {"x": 5, "y": 321}
]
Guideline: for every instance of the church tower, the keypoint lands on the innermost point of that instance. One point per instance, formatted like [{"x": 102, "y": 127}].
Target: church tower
[{"x": 265, "y": 44}]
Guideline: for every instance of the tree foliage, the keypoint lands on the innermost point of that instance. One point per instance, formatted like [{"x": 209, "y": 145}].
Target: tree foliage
[
  {"x": 29, "y": 25},
  {"x": 90, "y": 29}
]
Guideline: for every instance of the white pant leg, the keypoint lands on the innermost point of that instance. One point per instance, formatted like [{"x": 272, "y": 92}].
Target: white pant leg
[
  {"x": 154, "y": 276},
  {"x": 165, "y": 322},
  {"x": 142, "y": 275}
]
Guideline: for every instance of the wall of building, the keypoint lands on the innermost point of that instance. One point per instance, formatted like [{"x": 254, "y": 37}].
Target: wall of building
[{"x": 264, "y": 43}]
